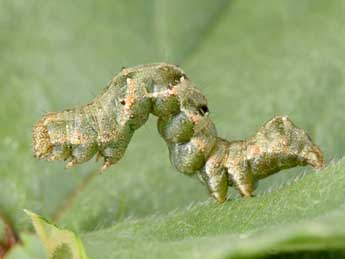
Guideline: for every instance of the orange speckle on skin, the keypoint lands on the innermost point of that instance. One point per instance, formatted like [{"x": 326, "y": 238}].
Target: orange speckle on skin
[
  {"x": 130, "y": 100},
  {"x": 172, "y": 91},
  {"x": 255, "y": 150},
  {"x": 200, "y": 144},
  {"x": 131, "y": 97},
  {"x": 196, "y": 118},
  {"x": 131, "y": 85}
]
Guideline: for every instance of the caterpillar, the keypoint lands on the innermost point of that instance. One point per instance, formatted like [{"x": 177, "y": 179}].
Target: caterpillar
[{"x": 104, "y": 127}]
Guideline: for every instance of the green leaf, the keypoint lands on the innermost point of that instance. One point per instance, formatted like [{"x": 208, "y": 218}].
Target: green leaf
[
  {"x": 60, "y": 243},
  {"x": 304, "y": 215},
  {"x": 31, "y": 248},
  {"x": 252, "y": 59}
]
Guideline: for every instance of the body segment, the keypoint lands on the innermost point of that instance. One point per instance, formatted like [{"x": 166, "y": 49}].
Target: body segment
[{"x": 105, "y": 126}]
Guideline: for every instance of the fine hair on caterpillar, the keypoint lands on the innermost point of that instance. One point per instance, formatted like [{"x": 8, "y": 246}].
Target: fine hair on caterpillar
[{"x": 104, "y": 128}]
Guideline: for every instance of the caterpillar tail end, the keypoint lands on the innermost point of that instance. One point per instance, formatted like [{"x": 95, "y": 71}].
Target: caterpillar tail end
[
  {"x": 48, "y": 141},
  {"x": 314, "y": 157},
  {"x": 41, "y": 143}
]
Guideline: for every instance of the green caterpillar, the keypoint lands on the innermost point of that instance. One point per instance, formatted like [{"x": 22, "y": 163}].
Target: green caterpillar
[{"x": 105, "y": 126}]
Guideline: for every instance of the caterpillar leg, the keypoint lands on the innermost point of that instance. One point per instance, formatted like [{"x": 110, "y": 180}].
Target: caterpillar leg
[
  {"x": 73, "y": 162},
  {"x": 216, "y": 183},
  {"x": 81, "y": 154},
  {"x": 214, "y": 174},
  {"x": 60, "y": 152},
  {"x": 107, "y": 163},
  {"x": 112, "y": 153},
  {"x": 239, "y": 169},
  {"x": 243, "y": 181}
]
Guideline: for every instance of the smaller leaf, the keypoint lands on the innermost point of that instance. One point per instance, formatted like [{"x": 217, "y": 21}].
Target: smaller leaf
[
  {"x": 30, "y": 247},
  {"x": 59, "y": 243}
]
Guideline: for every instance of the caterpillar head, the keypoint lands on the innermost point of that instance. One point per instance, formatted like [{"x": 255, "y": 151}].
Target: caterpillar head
[
  {"x": 45, "y": 144},
  {"x": 194, "y": 105}
]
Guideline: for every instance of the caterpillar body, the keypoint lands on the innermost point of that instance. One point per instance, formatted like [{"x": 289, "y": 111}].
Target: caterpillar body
[{"x": 104, "y": 127}]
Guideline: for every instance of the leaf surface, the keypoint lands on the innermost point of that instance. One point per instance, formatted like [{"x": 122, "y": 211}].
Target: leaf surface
[{"x": 253, "y": 60}]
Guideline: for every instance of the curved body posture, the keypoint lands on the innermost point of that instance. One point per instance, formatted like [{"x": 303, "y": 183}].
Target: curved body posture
[{"x": 105, "y": 126}]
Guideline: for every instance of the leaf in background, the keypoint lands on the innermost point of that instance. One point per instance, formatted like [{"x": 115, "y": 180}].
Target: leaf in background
[{"x": 252, "y": 60}]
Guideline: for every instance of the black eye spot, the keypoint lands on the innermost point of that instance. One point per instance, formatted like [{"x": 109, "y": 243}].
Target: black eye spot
[{"x": 203, "y": 110}]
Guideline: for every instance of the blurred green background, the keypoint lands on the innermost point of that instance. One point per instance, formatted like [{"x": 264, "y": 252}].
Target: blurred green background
[{"x": 252, "y": 59}]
